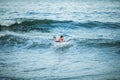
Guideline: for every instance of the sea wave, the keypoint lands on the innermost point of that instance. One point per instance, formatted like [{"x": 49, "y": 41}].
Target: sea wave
[
  {"x": 37, "y": 34},
  {"x": 10, "y": 40},
  {"x": 46, "y": 25},
  {"x": 14, "y": 41},
  {"x": 98, "y": 42}
]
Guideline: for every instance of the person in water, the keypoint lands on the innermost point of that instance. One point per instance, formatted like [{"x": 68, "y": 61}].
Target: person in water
[{"x": 61, "y": 39}]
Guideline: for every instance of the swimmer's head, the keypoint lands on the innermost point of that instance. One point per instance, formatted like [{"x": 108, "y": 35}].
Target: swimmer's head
[{"x": 61, "y": 36}]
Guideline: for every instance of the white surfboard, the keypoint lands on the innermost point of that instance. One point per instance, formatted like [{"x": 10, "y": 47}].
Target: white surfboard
[{"x": 61, "y": 44}]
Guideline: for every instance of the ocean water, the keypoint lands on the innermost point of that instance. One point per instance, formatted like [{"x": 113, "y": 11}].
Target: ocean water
[{"x": 91, "y": 29}]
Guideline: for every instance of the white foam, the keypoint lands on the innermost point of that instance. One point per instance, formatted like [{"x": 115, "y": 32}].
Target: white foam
[{"x": 62, "y": 44}]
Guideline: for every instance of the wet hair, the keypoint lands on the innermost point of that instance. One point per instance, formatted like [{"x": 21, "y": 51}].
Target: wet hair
[{"x": 61, "y": 36}]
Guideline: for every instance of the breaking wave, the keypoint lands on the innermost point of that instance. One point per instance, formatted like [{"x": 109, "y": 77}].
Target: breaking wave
[{"x": 47, "y": 25}]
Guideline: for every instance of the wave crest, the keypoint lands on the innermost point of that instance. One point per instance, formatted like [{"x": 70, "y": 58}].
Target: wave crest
[
  {"x": 11, "y": 40},
  {"x": 47, "y": 25}
]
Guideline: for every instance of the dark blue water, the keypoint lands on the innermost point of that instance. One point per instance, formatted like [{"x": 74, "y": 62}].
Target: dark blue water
[{"x": 91, "y": 30}]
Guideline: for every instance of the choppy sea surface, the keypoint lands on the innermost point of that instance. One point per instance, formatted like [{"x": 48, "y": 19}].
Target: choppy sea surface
[{"x": 91, "y": 29}]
